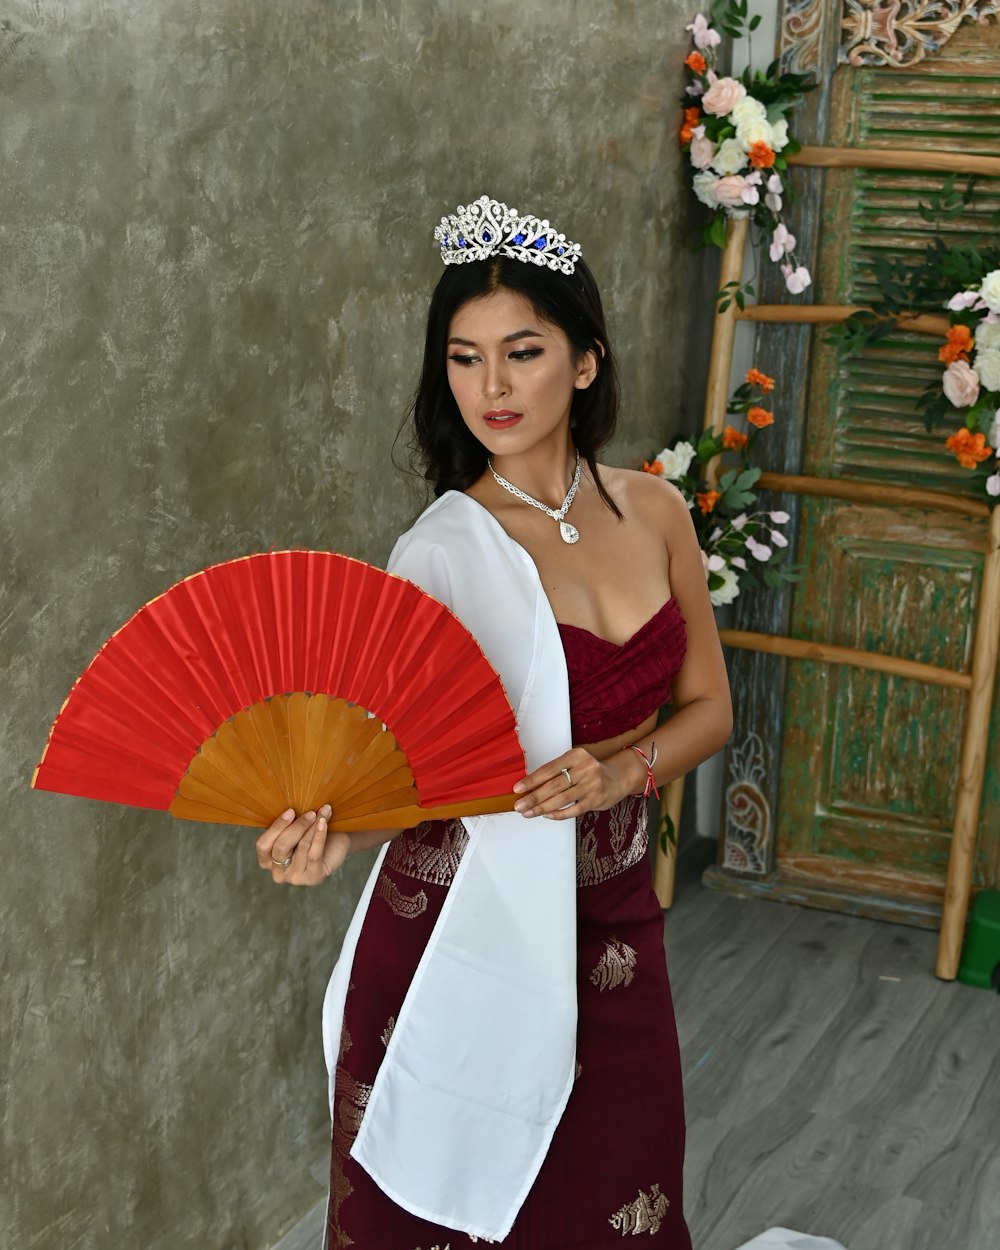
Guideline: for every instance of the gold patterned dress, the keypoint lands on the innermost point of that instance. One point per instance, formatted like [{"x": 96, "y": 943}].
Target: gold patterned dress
[{"x": 614, "y": 1169}]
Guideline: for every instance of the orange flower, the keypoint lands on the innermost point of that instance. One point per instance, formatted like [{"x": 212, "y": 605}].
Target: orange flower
[
  {"x": 756, "y": 378},
  {"x": 707, "y": 500},
  {"x": 761, "y": 156},
  {"x": 655, "y": 467},
  {"x": 960, "y": 343},
  {"x": 691, "y": 118},
  {"x": 969, "y": 449},
  {"x": 760, "y": 417},
  {"x": 733, "y": 440},
  {"x": 696, "y": 62}
]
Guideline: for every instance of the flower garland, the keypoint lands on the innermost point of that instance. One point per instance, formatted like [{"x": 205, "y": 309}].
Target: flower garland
[
  {"x": 735, "y": 539},
  {"x": 972, "y": 378},
  {"x": 738, "y": 142}
]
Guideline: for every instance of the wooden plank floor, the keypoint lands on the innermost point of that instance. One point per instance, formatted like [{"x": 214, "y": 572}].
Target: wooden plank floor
[{"x": 832, "y": 1084}]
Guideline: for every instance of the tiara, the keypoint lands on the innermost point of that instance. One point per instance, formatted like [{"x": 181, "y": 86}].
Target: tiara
[{"x": 488, "y": 228}]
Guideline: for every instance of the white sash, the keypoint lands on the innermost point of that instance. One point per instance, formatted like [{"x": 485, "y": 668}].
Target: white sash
[{"x": 481, "y": 1060}]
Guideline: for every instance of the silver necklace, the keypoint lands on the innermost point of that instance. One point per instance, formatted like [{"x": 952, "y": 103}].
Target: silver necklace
[{"x": 568, "y": 533}]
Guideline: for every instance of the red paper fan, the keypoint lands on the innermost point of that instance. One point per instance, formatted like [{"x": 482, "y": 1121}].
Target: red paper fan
[{"x": 290, "y": 679}]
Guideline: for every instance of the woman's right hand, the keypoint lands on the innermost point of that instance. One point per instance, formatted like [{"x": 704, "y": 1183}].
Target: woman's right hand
[{"x": 305, "y": 842}]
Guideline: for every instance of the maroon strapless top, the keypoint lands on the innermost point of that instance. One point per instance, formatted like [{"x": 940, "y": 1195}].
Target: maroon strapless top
[{"x": 616, "y": 686}]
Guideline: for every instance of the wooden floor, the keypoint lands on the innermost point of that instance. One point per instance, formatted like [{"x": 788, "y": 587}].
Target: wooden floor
[{"x": 832, "y": 1084}]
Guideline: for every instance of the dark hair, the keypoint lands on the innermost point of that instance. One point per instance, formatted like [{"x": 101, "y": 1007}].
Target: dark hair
[{"x": 449, "y": 455}]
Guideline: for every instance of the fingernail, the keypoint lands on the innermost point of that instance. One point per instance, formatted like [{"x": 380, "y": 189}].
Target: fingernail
[
  {"x": 527, "y": 813},
  {"x": 326, "y": 810},
  {"x": 321, "y": 824},
  {"x": 521, "y": 806},
  {"x": 287, "y": 815},
  {"x": 519, "y": 787},
  {"x": 310, "y": 815}
]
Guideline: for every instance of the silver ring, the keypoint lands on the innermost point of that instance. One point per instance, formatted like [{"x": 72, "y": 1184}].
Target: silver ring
[
  {"x": 565, "y": 772},
  {"x": 281, "y": 863}
]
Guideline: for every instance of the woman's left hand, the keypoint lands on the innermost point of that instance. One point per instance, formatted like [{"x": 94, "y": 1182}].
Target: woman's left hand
[{"x": 575, "y": 783}]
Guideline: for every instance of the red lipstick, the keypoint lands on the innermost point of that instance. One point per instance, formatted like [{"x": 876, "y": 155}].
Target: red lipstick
[{"x": 502, "y": 418}]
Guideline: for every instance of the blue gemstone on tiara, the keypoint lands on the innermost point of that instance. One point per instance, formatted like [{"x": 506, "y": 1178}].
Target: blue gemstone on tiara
[
  {"x": 487, "y": 237},
  {"x": 519, "y": 239},
  {"x": 541, "y": 244},
  {"x": 560, "y": 251},
  {"x": 461, "y": 241}
]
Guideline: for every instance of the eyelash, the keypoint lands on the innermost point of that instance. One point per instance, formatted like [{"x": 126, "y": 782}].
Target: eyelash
[{"x": 527, "y": 353}]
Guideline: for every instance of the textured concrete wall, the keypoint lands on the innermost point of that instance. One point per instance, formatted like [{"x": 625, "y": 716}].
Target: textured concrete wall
[{"x": 215, "y": 249}]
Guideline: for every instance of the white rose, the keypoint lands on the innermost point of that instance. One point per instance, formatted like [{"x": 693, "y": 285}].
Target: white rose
[
  {"x": 779, "y": 134},
  {"x": 728, "y": 591},
  {"x": 704, "y": 189},
  {"x": 755, "y": 130},
  {"x": 730, "y": 158},
  {"x": 987, "y": 335},
  {"x": 747, "y": 109},
  {"x": 988, "y": 368},
  {"x": 990, "y": 291},
  {"x": 675, "y": 460}
]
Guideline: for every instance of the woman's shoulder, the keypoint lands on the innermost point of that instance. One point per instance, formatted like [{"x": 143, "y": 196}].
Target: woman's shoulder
[{"x": 638, "y": 493}]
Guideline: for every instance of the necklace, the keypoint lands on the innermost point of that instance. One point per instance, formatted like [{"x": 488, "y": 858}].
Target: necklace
[{"x": 568, "y": 533}]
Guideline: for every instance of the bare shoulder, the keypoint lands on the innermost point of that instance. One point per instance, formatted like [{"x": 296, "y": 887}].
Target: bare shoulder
[{"x": 645, "y": 496}]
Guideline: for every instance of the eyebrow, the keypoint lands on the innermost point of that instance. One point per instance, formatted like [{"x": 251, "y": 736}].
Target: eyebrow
[{"x": 509, "y": 338}]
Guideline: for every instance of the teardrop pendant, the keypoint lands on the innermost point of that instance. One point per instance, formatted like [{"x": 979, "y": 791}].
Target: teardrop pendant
[{"x": 568, "y": 533}]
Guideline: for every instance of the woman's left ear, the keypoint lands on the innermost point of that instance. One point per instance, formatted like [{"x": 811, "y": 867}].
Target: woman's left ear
[{"x": 586, "y": 369}]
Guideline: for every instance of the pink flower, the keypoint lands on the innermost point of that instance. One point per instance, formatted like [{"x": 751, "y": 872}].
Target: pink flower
[
  {"x": 704, "y": 36},
  {"x": 779, "y": 518},
  {"x": 758, "y": 550},
  {"x": 694, "y": 88},
  {"x": 781, "y": 242},
  {"x": 738, "y": 563},
  {"x": 773, "y": 197},
  {"x": 702, "y": 150},
  {"x": 993, "y": 484},
  {"x": 961, "y": 384},
  {"x": 716, "y": 564},
  {"x": 796, "y": 280},
  {"x": 739, "y": 521},
  {"x": 778, "y": 538},
  {"x": 731, "y": 190},
  {"x": 964, "y": 299},
  {"x": 751, "y": 195},
  {"x": 723, "y": 96}
]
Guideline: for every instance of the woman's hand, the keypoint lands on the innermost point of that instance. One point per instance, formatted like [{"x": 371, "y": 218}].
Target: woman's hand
[
  {"x": 299, "y": 850},
  {"x": 576, "y": 782}
]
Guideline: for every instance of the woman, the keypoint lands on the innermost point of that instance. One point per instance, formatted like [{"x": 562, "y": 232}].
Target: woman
[{"x": 449, "y": 1088}]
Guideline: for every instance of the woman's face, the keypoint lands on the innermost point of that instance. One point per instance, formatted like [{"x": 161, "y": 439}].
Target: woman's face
[{"x": 512, "y": 374}]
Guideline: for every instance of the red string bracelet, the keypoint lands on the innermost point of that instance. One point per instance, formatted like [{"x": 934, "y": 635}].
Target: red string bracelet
[{"x": 650, "y": 782}]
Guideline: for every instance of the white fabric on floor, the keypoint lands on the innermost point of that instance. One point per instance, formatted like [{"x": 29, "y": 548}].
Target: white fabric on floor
[{"x": 786, "y": 1239}]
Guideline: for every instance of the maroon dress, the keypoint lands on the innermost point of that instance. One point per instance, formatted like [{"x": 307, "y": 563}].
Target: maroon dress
[{"x": 614, "y": 1168}]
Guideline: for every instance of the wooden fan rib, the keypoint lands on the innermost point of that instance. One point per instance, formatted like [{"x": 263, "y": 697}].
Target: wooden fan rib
[{"x": 410, "y": 817}]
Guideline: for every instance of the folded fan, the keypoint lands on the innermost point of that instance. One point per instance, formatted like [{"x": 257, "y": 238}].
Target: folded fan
[{"x": 290, "y": 679}]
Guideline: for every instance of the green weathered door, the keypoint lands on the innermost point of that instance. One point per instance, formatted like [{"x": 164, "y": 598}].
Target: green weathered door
[{"x": 869, "y": 763}]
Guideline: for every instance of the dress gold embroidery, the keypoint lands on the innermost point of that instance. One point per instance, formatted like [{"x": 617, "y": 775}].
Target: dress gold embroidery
[
  {"x": 387, "y": 1031},
  {"x": 630, "y": 816},
  {"x": 414, "y": 853},
  {"x": 350, "y": 1100},
  {"x": 644, "y": 1215},
  {"x": 409, "y": 906},
  {"x": 615, "y": 967}
]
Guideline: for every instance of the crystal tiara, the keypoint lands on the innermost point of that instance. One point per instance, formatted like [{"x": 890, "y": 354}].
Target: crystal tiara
[{"x": 488, "y": 228}]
